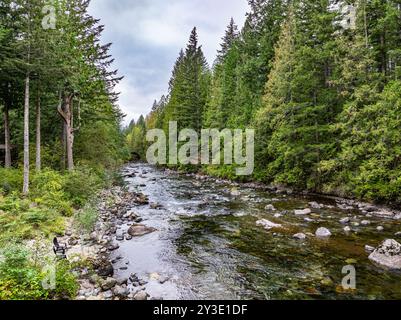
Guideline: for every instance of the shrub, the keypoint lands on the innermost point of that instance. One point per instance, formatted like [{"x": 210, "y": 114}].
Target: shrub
[
  {"x": 21, "y": 279},
  {"x": 86, "y": 219},
  {"x": 80, "y": 185},
  {"x": 47, "y": 190},
  {"x": 10, "y": 180}
]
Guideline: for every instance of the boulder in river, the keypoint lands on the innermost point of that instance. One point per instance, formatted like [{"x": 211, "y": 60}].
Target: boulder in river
[
  {"x": 303, "y": 212},
  {"x": 323, "y": 233},
  {"x": 268, "y": 224},
  {"x": 388, "y": 255},
  {"x": 138, "y": 230}
]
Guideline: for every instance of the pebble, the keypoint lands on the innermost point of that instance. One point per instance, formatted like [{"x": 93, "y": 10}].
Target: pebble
[
  {"x": 347, "y": 229},
  {"x": 380, "y": 228},
  {"x": 345, "y": 220}
]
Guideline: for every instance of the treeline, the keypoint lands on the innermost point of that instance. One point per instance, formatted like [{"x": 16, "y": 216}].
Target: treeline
[
  {"x": 57, "y": 93},
  {"x": 320, "y": 83}
]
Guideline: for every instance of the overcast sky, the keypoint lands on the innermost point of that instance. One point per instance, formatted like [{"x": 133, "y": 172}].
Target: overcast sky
[{"x": 147, "y": 36}]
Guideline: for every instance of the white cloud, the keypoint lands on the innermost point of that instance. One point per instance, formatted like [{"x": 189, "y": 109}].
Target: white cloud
[{"x": 148, "y": 34}]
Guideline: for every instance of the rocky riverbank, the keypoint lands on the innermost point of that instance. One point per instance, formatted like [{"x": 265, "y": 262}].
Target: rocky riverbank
[{"x": 91, "y": 253}]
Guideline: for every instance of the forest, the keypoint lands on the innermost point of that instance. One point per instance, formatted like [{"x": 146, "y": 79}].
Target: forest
[
  {"x": 320, "y": 83},
  {"x": 61, "y": 130}
]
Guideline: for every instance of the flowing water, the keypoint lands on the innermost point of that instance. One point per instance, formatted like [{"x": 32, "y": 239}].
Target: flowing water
[{"x": 208, "y": 245}]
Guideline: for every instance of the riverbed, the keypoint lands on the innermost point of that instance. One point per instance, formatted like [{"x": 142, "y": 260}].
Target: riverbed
[{"x": 209, "y": 246}]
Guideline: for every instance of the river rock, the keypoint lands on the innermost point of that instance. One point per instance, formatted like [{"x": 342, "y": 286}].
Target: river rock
[
  {"x": 108, "y": 284},
  {"x": 323, "y": 233},
  {"x": 113, "y": 246},
  {"x": 345, "y": 220},
  {"x": 268, "y": 224},
  {"x": 315, "y": 205},
  {"x": 303, "y": 212},
  {"x": 141, "y": 296},
  {"x": 347, "y": 229},
  {"x": 270, "y": 207},
  {"x": 397, "y": 234},
  {"x": 138, "y": 230},
  {"x": 380, "y": 228},
  {"x": 120, "y": 235},
  {"x": 104, "y": 268},
  {"x": 397, "y": 216},
  {"x": 365, "y": 222},
  {"x": 121, "y": 291},
  {"x": 388, "y": 255},
  {"x": 299, "y": 236},
  {"x": 108, "y": 294}
]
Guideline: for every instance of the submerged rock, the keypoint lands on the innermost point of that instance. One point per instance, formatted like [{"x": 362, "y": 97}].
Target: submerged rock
[
  {"x": 380, "y": 228},
  {"x": 323, "y": 233},
  {"x": 268, "y": 224},
  {"x": 315, "y": 205},
  {"x": 347, "y": 229},
  {"x": 388, "y": 255},
  {"x": 270, "y": 207},
  {"x": 303, "y": 212},
  {"x": 299, "y": 236},
  {"x": 138, "y": 230},
  {"x": 345, "y": 220}
]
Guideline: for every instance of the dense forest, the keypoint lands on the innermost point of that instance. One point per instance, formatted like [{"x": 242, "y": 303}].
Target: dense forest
[
  {"x": 61, "y": 131},
  {"x": 320, "y": 83}
]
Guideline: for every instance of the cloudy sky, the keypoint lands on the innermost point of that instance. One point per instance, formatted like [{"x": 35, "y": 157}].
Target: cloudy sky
[{"x": 147, "y": 36}]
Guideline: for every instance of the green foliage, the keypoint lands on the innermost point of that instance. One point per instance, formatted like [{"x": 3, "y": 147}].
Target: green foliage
[
  {"x": 80, "y": 185},
  {"x": 85, "y": 219},
  {"x": 22, "y": 279},
  {"x": 10, "y": 180}
]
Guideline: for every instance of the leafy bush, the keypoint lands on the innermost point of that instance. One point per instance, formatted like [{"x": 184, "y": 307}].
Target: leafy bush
[
  {"x": 10, "y": 180},
  {"x": 86, "y": 219},
  {"x": 21, "y": 279},
  {"x": 80, "y": 185}
]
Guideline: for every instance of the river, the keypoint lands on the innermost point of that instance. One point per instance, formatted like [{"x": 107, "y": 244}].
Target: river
[{"x": 208, "y": 246}]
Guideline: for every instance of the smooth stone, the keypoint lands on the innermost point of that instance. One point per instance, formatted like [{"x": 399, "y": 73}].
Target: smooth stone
[
  {"x": 268, "y": 224},
  {"x": 380, "y": 228},
  {"x": 121, "y": 292},
  {"x": 108, "y": 284},
  {"x": 398, "y": 234},
  {"x": 347, "y": 229},
  {"x": 302, "y": 212},
  {"x": 315, "y": 205},
  {"x": 365, "y": 222},
  {"x": 299, "y": 236},
  {"x": 323, "y": 233},
  {"x": 345, "y": 220},
  {"x": 270, "y": 207},
  {"x": 141, "y": 296},
  {"x": 138, "y": 230}
]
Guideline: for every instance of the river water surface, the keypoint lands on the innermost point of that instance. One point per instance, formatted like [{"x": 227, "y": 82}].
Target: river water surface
[{"x": 208, "y": 245}]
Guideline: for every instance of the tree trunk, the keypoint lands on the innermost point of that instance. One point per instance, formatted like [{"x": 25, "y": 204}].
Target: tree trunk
[
  {"x": 38, "y": 135},
  {"x": 7, "y": 139},
  {"x": 25, "y": 190},
  {"x": 66, "y": 112}
]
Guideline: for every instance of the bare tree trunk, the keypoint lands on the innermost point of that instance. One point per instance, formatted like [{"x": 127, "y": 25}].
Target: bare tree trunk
[
  {"x": 7, "y": 139},
  {"x": 25, "y": 190},
  {"x": 66, "y": 112},
  {"x": 38, "y": 135}
]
